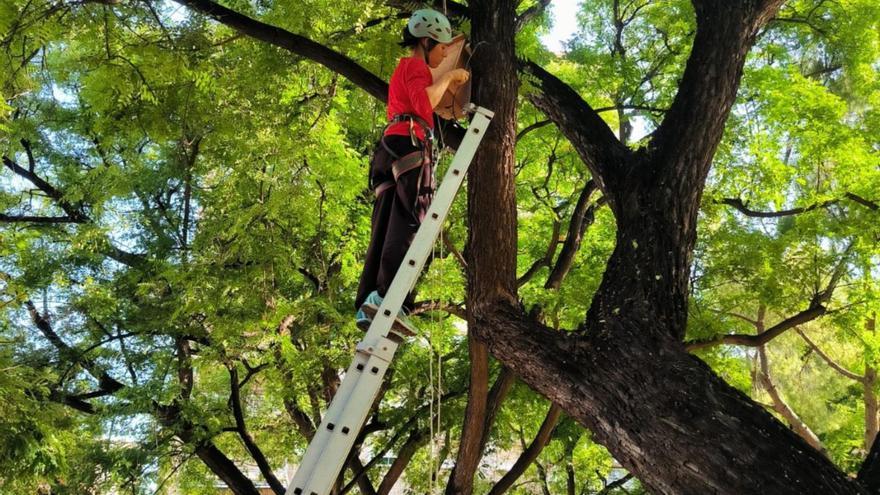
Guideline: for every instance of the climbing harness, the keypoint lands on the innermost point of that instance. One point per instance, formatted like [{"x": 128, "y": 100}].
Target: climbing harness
[
  {"x": 435, "y": 375},
  {"x": 424, "y": 158}
]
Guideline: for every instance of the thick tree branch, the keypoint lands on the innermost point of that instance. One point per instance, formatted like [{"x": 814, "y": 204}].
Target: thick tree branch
[
  {"x": 809, "y": 314},
  {"x": 834, "y": 364},
  {"x": 362, "y": 480},
  {"x": 300, "y": 418},
  {"x": 543, "y": 123},
  {"x": 92, "y": 395},
  {"x": 529, "y": 454},
  {"x": 574, "y": 370},
  {"x": 815, "y": 310},
  {"x": 497, "y": 394},
  {"x": 582, "y": 217},
  {"x": 869, "y": 473},
  {"x": 686, "y": 141},
  {"x": 105, "y": 381},
  {"x": 824, "y": 296},
  {"x": 782, "y": 407},
  {"x": 246, "y": 438},
  {"x": 418, "y": 435},
  {"x": 38, "y": 220},
  {"x": 404, "y": 455},
  {"x": 872, "y": 204},
  {"x": 168, "y": 415},
  {"x": 530, "y": 13},
  {"x": 590, "y": 136},
  {"x": 172, "y": 418},
  {"x": 294, "y": 43},
  {"x": 74, "y": 212},
  {"x": 745, "y": 210},
  {"x": 71, "y": 401},
  {"x": 470, "y": 448},
  {"x": 544, "y": 261}
]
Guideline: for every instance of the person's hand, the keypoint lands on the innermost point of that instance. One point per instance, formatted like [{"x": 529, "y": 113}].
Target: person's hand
[{"x": 457, "y": 77}]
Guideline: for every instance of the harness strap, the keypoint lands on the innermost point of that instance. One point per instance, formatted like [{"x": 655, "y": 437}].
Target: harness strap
[
  {"x": 409, "y": 162},
  {"x": 412, "y": 119},
  {"x": 388, "y": 184}
]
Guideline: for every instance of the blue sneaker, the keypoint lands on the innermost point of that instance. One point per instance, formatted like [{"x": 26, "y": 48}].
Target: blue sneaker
[
  {"x": 362, "y": 319},
  {"x": 370, "y": 307}
]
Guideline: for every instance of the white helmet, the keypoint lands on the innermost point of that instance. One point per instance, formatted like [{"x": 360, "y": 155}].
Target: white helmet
[{"x": 428, "y": 23}]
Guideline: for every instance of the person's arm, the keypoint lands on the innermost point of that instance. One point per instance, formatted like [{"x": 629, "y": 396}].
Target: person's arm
[{"x": 453, "y": 79}]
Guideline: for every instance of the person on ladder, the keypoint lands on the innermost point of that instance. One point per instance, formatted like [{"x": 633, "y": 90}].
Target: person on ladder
[{"x": 401, "y": 168}]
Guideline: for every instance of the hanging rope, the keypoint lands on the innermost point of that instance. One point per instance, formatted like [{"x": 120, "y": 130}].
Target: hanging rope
[
  {"x": 432, "y": 472},
  {"x": 435, "y": 373},
  {"x": 439, "y": 366}
]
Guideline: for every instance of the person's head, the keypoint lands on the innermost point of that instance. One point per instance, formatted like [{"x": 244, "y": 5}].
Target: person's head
[{"x": 428, "y": 33}]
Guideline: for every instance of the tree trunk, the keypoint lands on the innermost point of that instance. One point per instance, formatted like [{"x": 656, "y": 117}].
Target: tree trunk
[{"x": 490, "y": 251}]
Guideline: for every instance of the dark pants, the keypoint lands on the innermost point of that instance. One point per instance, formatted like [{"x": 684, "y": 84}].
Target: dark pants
[{"x": 397, "y": 213}]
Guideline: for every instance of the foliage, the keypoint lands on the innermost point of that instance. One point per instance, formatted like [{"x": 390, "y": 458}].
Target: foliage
[{"x": 234, "y": 176}]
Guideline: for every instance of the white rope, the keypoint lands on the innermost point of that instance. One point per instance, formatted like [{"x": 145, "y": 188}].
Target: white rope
[
  {"x": 440, "y": 274},
  {"x": 432, "y": 472},
  {"x": 435, "y": 374}
]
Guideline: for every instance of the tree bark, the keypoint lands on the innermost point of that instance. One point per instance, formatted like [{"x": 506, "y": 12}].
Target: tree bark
[
  {"x": 496, "y": 397},
  {"x": 224, "y": 468},
  {"x": 246, "y": 438},
  {"x": 404, "y": 456},
  {"x": 689, "y": 433},
  {"x": 869, "y": 474},
  {"x": 581, "y": 218}
]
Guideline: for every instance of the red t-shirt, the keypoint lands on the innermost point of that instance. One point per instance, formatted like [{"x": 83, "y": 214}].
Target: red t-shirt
[{"x": 406, "y": 94}]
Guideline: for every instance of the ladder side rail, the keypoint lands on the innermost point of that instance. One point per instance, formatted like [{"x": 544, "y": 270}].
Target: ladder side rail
[
  {"x": 322, "y": 436},
  {"x": 347, "y": 427}
]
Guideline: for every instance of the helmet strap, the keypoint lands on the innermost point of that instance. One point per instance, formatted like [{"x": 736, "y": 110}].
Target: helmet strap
[{"x": 423, "y": 42}]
